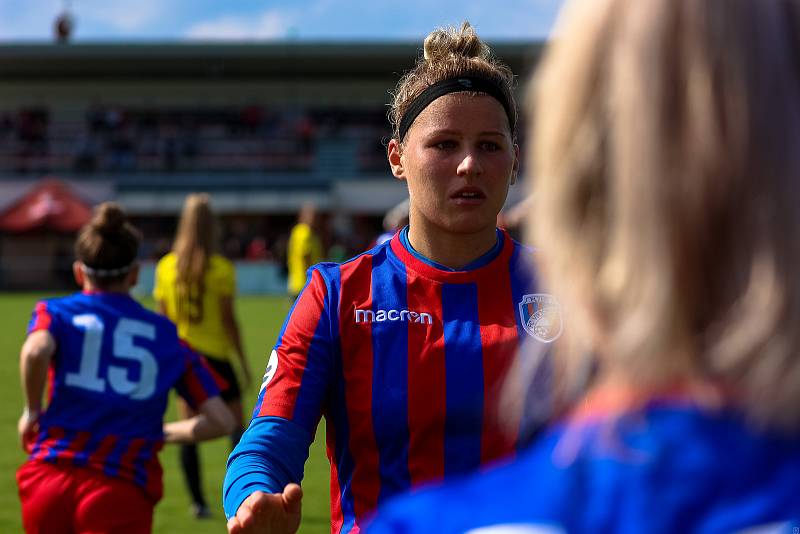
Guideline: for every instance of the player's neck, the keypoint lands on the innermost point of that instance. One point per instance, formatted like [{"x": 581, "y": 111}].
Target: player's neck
[
  {"x": 453, "y": 250},
  {"x": 90, "y": 287}
]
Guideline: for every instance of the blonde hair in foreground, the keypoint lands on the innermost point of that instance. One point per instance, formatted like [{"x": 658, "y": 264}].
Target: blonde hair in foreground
[
  {"x": 666, "y": 176},
  {"x": 194, "y": 242}
]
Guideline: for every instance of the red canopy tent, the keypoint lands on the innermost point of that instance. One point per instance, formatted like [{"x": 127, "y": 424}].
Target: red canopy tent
[{"x": 50, "y": 205}]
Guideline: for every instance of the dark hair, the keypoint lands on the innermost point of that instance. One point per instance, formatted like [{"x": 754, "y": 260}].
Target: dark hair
[
  {"x": 451, "y": 53},
  {"x": 108, "y": 244}
]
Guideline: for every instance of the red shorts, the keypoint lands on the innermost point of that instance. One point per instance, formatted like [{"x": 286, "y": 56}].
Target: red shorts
[{"x": 61, "y": 499}]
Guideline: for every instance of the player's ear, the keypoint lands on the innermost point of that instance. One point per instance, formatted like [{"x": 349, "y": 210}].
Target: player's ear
[
  {"x": 78, "y": 273},
  {"x": 394, "y": 154}
]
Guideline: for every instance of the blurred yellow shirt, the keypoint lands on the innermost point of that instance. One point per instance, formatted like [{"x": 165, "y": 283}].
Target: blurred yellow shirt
[
  {"x": 199, "y": 320},
  {"x": 304, "y": 250}
]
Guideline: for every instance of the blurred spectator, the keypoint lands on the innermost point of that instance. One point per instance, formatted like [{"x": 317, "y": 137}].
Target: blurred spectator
[
  {"x": 251, "y": 118},
  {"x": 188, "y": 139},
  {"x": 237, "y": 238},
  {"x": 167, "y": 139},
  {"x": 123, "y": 156},
  {"x": 95, "y": 118},
  {"x": 169, "y": 148},
  {"x": 6, "y": 126},
  {"x": 113, "y": 118},
  {"x": 257, "y": 249},
  {"x": 86, "y": 152},
  {"x": 305, "y": 132},
  {"x": 63, "y": 26},
  {"x": 32, "y": 126}
]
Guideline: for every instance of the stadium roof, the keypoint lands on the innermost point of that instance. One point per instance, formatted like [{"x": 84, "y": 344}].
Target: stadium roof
[{"x": 285, "y": 60}]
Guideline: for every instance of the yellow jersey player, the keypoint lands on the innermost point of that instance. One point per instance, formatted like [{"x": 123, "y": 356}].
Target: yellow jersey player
[
  {"x": 304, "y": 249},
  {"x": 195, "y": 288}
]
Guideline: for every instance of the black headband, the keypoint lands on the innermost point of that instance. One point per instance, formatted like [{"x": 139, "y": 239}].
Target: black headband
[{"x": 455, "y": 85}]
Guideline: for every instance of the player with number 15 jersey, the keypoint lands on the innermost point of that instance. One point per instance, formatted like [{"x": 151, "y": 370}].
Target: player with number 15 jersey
[
  {"x": 114, "y": 366},
  {"x": 110, "y": 364}
]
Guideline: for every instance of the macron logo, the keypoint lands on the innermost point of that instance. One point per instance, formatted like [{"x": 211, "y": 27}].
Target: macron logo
[{"x": 405, "y": 316}]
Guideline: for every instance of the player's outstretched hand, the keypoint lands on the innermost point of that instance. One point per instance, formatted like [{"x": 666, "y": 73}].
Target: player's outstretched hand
[{"x": 269, "y": 513}]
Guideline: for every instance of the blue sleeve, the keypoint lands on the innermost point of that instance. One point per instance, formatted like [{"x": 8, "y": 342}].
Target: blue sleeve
[{"x": 271, "y": 454}]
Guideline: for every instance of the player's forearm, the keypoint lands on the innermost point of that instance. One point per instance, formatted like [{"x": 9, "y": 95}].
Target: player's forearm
[
  {"x": 271, "y": 454},
  {"x": 213, "y": 421},
  {"x": 197, "y": 428},
  {"x": 35, "y": 357},
  {"x": 34, "y": 378},
  {"x": 184, "y": 431}
]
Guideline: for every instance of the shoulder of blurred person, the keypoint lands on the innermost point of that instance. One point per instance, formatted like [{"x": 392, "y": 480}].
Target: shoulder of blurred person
[{"x": 650, "y": 472}]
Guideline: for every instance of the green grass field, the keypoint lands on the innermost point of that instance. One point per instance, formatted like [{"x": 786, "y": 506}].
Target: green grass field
[{"x": 260, "y": 319}]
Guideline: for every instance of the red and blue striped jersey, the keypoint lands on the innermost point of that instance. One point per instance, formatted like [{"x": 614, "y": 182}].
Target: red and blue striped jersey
[
  {"x": 109, "y": 381},
  {"x": 405, "y": 359}
]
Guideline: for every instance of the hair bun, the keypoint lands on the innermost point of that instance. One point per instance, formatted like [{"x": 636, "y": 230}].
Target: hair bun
[
  {"x": 447, "y": 42},
  {"x": 109, "y": 218}
]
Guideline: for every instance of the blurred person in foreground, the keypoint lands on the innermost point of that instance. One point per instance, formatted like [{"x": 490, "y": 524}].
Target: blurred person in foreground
[
  {"x": 195, "y": 287},
  {"x": 304, "y": 249},
  {"x": 93, "y": 464},
  {"x": 667, "y": 185},
  {"x": 404, "y": 348}
]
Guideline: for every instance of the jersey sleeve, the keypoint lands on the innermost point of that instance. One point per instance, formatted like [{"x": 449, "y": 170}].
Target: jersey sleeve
[
  {"x": 299, "y": 369},
  {"x": 197, "y": 383},
  {"x": 44, "y": 317},
  {"x": 275, "y": 445},
  {"x": 270, "y": 454}
]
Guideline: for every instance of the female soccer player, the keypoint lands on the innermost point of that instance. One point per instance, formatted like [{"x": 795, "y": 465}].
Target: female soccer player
[
  {"x": 404, "y": 347},
  {"x": 93, "y": 464},
  {"x": 195, "y": 288},
  {"x": 667, "y": 185},
  {"x": 303, "y": 250}
]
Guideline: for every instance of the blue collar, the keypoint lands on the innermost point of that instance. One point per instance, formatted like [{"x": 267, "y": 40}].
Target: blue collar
[{"x": 485, "y": 259}]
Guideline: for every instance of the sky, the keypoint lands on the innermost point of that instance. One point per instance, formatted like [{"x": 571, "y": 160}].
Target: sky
[{"x": 274, "y": 20}]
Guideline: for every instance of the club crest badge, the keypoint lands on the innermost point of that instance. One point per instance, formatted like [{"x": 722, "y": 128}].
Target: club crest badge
[{"x": 540, "y": 314}]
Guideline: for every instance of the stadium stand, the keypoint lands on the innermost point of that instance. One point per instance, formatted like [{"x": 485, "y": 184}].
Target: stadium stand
[{"x": 263, "y": 127}]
